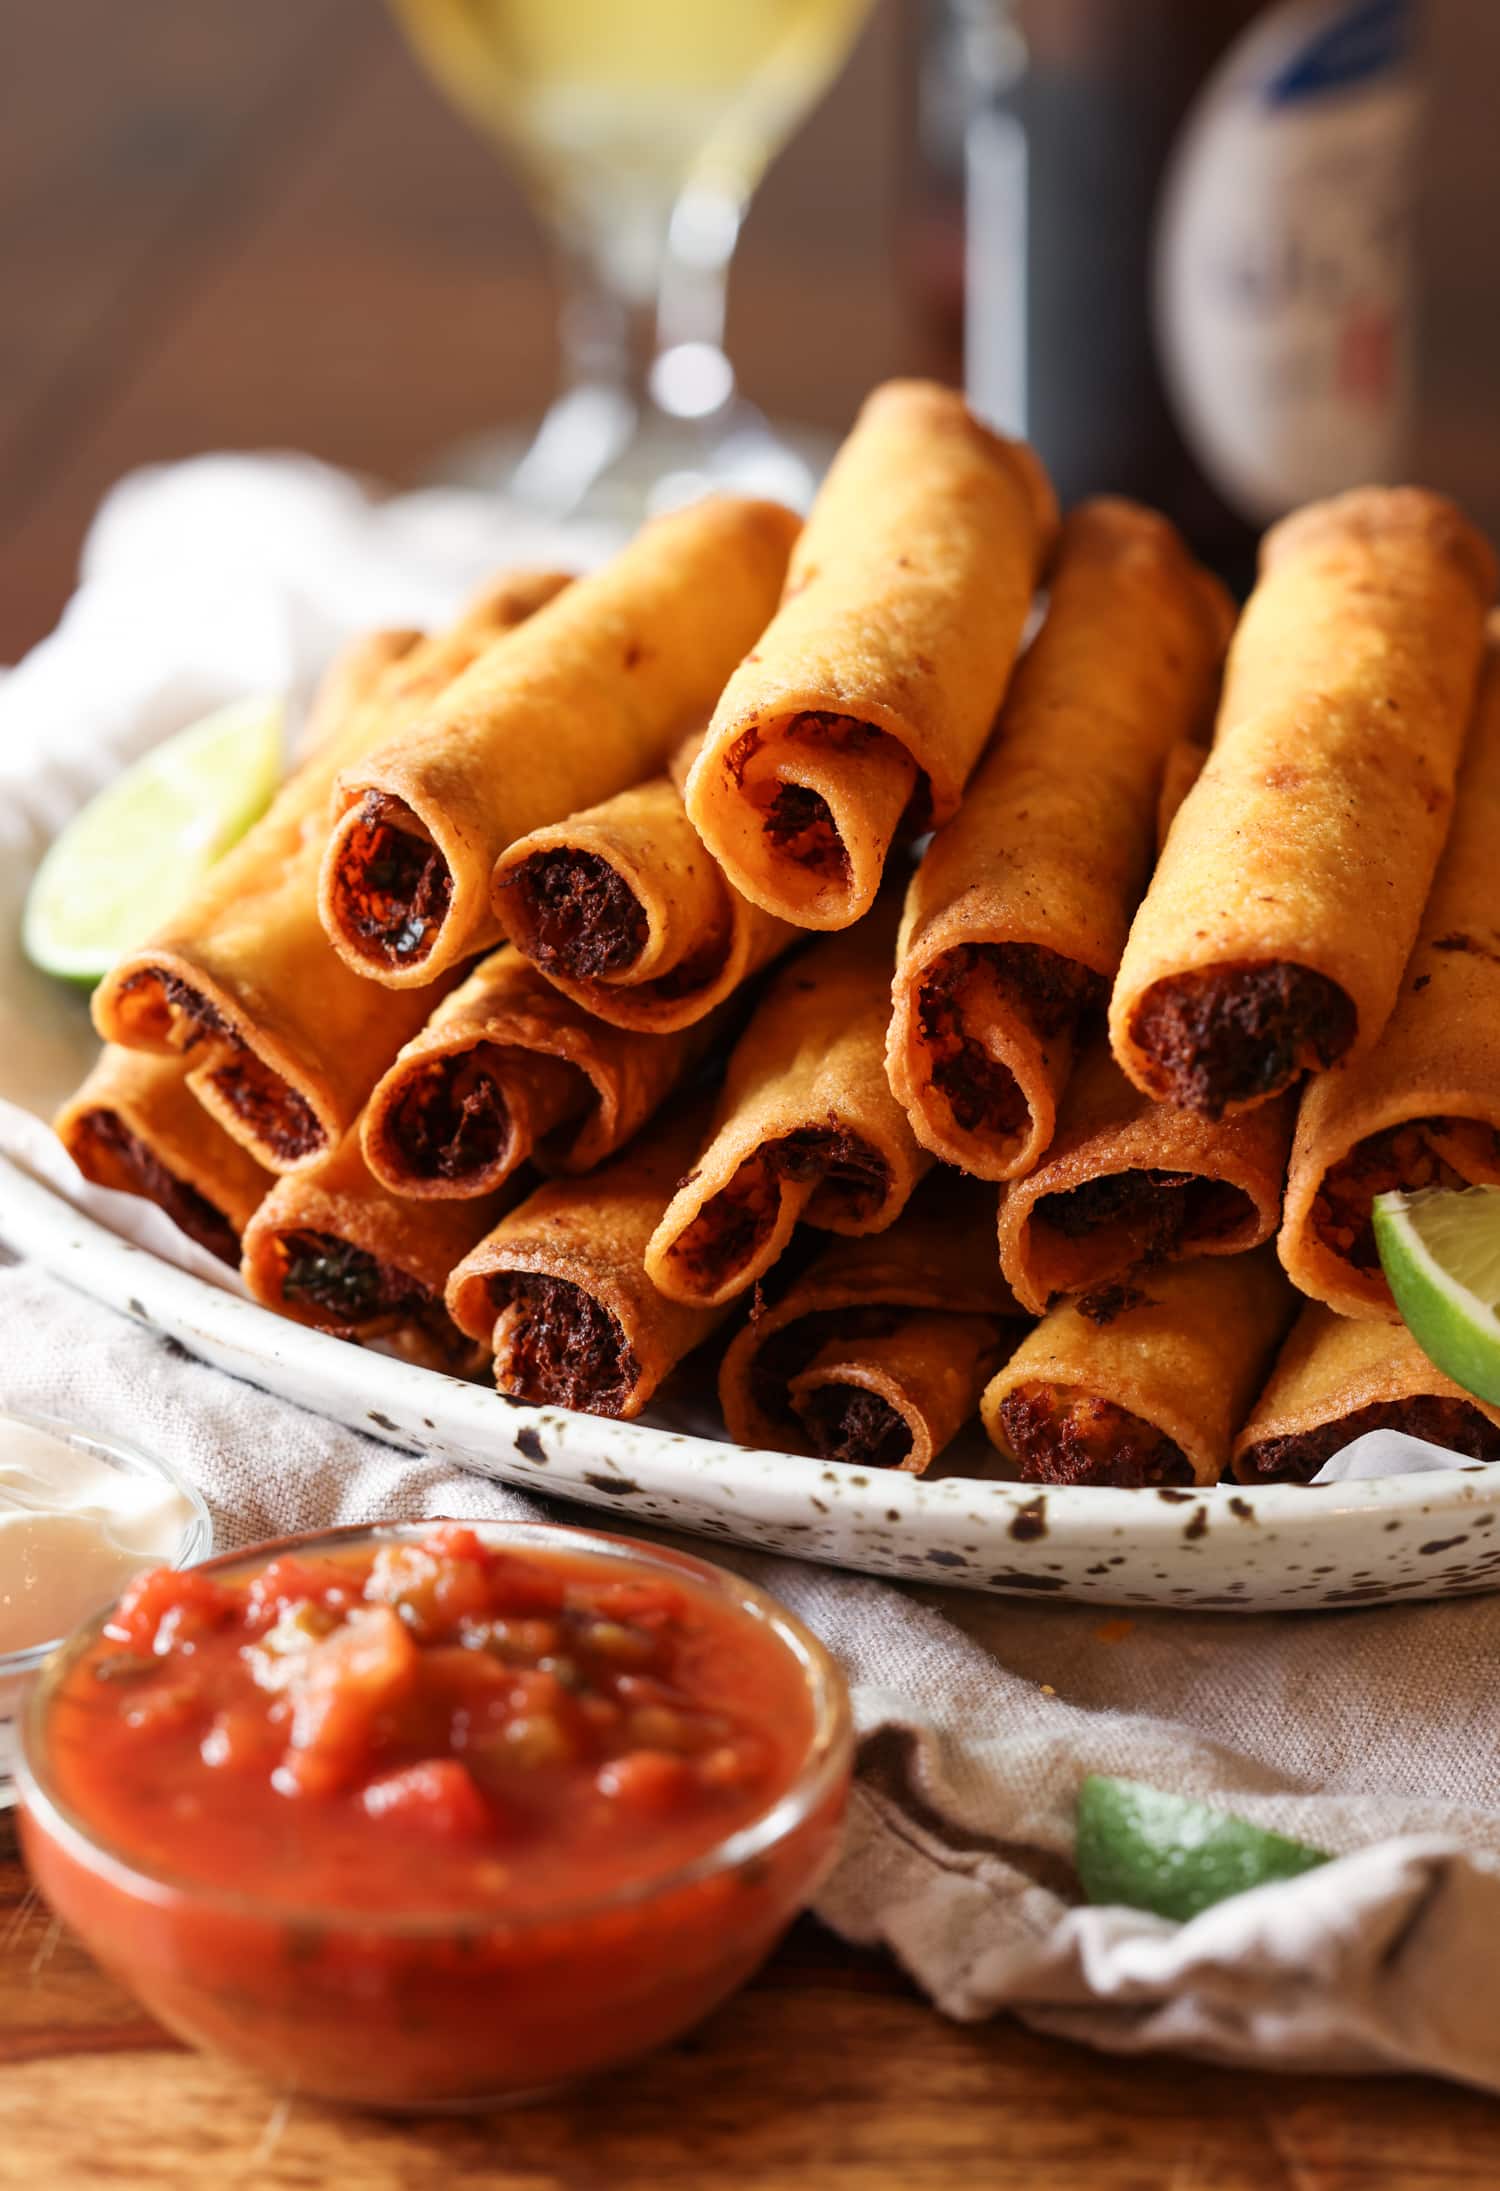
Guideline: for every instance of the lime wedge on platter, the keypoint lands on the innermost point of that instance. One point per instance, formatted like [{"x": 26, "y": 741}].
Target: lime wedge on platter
[
  {"x": 129, "y": 857},
  {"x": 1165, "y": 1853},
  {"x": 1440, "y": 1251}
]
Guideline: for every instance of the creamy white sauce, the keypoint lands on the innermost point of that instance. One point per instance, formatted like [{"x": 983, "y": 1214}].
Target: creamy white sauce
[{"x": 73, "y": 1530}]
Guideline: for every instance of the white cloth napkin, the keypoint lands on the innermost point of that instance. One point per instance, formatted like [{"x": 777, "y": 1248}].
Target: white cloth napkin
[{"x": 1369, "y": 1733}]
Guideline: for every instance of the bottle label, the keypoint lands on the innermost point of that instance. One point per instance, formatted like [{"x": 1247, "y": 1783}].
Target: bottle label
[{"x": 1283, "y": 270}]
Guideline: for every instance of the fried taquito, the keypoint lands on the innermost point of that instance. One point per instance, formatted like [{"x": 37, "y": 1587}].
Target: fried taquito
[
  {"x": 608, "y": 682},
  {"x": 805, "y": 1126},
  {"x": 1337, "y": 1378},
  {"x": 1128, "y": 1184},
  {"x": 879, "y": 1351},
  {"x": 861, "y": 712},
  {"x": 136, "y": 1126},
  {"x": 559, "y": 1288},
  {"x": 1288, "y": 896},
  {"x": 509, "y": 1068},
  {"x": 625, "y": 910},
  {"x": 1422, "y": 1109},
  {"x": 284, "y": 1041},
  {"x": 331, "y": 1247},
  {"x": 1142, "y": 1384},
  {"x": 1017, "y": 916}
]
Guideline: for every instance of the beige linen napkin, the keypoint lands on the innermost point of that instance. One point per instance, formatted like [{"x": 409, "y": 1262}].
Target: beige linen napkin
[{"x": 1371, "y": 1733}]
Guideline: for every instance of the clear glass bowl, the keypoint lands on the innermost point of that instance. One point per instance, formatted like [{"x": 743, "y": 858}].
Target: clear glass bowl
[
  {"x": 400, "y": 2009},
  {"x": 194, "y": 1543}
]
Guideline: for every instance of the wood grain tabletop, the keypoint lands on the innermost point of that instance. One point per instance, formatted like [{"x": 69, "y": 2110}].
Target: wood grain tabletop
[
  {"x": 206, "y": 241},
  {"x": 826, "y": 2074}
]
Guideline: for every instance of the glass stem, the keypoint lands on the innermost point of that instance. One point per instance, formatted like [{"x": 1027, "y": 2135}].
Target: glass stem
[
  {"x": 641, "y": 332},
  {"x": 606, "y": 335},
  {"x": 691, "y": 377}
]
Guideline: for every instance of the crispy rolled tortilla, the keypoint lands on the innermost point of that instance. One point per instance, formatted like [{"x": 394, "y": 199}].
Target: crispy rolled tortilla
[
  {"x": 1135, "y": 1385},
  {"x": 559, "y": 1288},
  {"x": 865, "y": 706},
  {"x": 284, "y": 1040},
  {"x": 509, "y": 1068},
  {"x": 1184, "y": 766},
  {"x": 332, "y": 1248},
  {"x": 879, "y": 1352},
  {"x": 1423, "y": 1108},
  {"x": 805, "y": 1127},
  {"x": 136, "y": 1126},
  {"x": 1337, "y": 1378},
  {"x": 1129, "y": 1183},
  {"x": 1017, "y": 916},
  {"x": 605, "y": 685},
  {"x": 625, "y": 911},
  {"x": 1289, "y": 893}
]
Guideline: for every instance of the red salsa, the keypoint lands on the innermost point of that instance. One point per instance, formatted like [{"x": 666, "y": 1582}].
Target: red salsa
[
  {"x": 433, "y": 1724},
  {"x": 414, "y": 1815}
]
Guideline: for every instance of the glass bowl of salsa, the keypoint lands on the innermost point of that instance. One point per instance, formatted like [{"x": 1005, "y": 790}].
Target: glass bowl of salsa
[{"x": 435, "y": 1813}]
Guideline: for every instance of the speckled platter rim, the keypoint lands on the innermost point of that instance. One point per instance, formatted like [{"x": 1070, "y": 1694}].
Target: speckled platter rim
[{"x": 1253, "y": 1549}]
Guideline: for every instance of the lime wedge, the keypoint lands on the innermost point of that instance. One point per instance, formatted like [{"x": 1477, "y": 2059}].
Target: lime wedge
[
  {"x": 1440, "y": 1251},
  {"x": 1161, "y": 1852},
  {"x": 131, "y": 855}
]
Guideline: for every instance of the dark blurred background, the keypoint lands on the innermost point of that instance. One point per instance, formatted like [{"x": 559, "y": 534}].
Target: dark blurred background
[{"x": 259, "y": 224}]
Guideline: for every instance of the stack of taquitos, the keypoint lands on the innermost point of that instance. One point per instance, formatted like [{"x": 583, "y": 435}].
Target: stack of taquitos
[
  {"x": 136, "y": 1126},
  {"x": 863, "y": 708},
  {"x": 608, "y": 682},
  {"x": 1423, "y": 1108},
  {"x": 508, "y": 1068},
  {"x": 1292, "y": 883},
  {"x": 624, "y": 910},
  {"x": 1128, "y": 1184},
  {"x": 1142, "y": 1384},
  {"x": 806, "y": 1126},
  {"x": 1016, "y": 919},
  {"x": 559, "y": 1288},
  {"x": 284, "y": 1041},
  {"x": 1336, "y": 1379},
  {"x": 878, "y": 1353}
]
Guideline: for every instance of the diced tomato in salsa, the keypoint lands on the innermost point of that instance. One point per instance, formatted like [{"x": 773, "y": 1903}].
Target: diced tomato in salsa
[{"x": 431, "y": 1723}]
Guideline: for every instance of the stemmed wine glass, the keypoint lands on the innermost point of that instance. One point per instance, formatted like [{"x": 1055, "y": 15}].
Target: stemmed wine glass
[{"x": 641, "y": 128}]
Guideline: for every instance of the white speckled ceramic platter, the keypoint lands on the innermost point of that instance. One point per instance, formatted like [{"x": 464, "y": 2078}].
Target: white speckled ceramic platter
[{"x": 1282, "y": 1547}]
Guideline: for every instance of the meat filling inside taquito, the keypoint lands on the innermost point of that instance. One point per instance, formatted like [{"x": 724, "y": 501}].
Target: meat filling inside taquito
[
  {"x": 1288, "y": 895},
  {"x": 1128, "y": 1184},
  {"x": 1422, "y": 1109},
  {"x": 331, "y": 1247},
  {"x": 135, "y": 1126},
  {"x": 559, "y": 1289},
  {"x": 1066, "y": 1434},
  {"x": 509, "y": 1068},
  {"x": 1017, "y": 916},
  {"x": 878, "y": 1353},
  {"x": 1141, "y": 1384},
  {"x": 806, "y": 1126},
  {"x": 1424, "y": 1152},
  {"x": 611, "y": 678},
  {"x": 862, "y": 710},
  {"x": 284, "y": 1040},
  {"x": 625, "y": 910},
  {"x": 1338, "y": 1378}
]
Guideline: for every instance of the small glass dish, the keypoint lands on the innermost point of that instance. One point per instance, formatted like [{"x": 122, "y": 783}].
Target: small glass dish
[
  {"x": 194, "y": 1542},
  {"x": 396, "y": 2008}
]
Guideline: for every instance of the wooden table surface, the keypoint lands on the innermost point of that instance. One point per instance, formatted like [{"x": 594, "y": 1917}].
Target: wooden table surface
[{"x": 257, "y": 226}]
